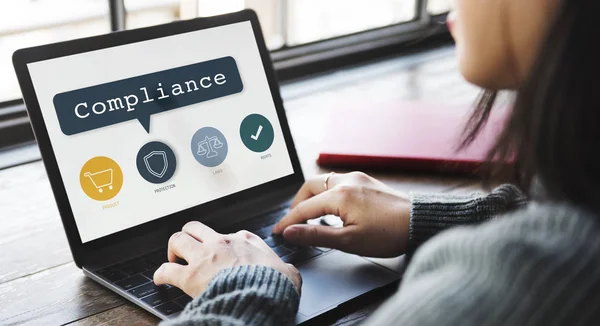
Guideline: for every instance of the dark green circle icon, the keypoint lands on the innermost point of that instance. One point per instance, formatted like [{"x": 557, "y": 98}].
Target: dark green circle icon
[{"x": 257, "y": 133}]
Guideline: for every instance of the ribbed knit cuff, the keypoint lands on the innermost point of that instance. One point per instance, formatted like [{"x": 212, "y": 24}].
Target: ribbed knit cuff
[
  {"x": 252, "y": 295},
  {"x": 432, "y": 213}
]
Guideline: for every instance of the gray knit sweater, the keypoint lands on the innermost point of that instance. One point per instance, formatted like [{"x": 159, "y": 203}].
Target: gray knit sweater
[{"x": 539, "y": 264}]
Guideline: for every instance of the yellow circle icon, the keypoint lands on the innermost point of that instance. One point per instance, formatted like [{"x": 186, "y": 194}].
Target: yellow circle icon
[{"x": 101, "y": 178}]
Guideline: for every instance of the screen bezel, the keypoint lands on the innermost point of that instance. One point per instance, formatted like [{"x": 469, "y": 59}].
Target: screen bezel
[{"x": 23, "y": 57}]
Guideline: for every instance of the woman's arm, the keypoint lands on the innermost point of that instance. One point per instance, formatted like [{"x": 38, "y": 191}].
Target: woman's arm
[
  {"x": 236, "y": 279},
  {"x": 243, "y": 295},
  {"x": 249, "y": 294},
  {"x": 258, "y": 295},
  {"x": 388, "y": 221},
  {"x": 432, "y": 213}
]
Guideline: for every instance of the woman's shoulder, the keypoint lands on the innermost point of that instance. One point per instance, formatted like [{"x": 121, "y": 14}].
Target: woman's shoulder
[
  {"x": 524, "y": 266},
  {"x": 543, "y": 223},
  {"x": 549, "y": 234},
  {"x": 560, "y": 219}
]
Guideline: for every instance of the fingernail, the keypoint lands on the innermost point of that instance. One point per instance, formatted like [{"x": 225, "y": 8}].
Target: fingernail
[
  {"x": 291, "y": 232},
  {"x": 159, "y": 270}
]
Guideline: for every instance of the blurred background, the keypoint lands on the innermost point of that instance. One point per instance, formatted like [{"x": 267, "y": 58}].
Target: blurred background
[
  {"x": 285, "y": 23},
  {"x": 305, "y": 37}
]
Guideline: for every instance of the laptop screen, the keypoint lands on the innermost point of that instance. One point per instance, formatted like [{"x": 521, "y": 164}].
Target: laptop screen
[{"x": 147, "y": 129}]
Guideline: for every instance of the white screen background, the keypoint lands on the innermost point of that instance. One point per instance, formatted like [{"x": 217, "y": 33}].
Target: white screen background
[{"x": 195, "y": 184}]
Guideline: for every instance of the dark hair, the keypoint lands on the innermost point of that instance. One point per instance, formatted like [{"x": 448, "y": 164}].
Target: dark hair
[{"x": 554, "y": 127}]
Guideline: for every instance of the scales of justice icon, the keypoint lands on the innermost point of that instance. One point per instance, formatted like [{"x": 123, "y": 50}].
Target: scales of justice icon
[{"x": 208, "y": 145}]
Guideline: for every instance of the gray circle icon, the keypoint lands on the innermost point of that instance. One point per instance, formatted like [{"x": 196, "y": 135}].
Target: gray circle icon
[{"x": 209, "y": 147}]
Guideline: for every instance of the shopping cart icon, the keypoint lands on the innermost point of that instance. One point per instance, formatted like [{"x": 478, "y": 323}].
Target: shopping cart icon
[{"x": 101, "y": 179}]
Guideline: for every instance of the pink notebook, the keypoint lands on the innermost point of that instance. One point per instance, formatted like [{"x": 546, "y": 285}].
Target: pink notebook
[{"x": 407, "y": 136}]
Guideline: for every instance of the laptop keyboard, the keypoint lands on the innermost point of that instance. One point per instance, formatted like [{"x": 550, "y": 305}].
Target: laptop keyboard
[{"x": 135, "y": 276}]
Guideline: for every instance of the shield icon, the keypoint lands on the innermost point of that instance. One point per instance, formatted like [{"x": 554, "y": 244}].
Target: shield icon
[{"x": 156, "y": 163}]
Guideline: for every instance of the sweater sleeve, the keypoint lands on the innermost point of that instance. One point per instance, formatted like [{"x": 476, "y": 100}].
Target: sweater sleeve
[
  {"x": 432, "y": 213},
  {"x": 243, "y": 295},
  {"x": 536, "y": 266}
]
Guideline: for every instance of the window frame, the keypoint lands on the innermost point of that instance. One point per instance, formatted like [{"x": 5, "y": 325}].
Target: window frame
[{"x": 422, "y": 32}]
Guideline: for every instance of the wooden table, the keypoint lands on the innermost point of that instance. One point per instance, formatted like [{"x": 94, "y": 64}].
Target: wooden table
[{"x": 40, "y": 285}]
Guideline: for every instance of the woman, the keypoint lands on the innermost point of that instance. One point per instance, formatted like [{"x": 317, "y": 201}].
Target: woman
[{"x": 538, "y": 263}]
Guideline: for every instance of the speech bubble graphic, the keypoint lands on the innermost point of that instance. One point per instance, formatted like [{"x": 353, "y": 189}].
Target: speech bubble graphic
[{"x": 142, "y": 96}]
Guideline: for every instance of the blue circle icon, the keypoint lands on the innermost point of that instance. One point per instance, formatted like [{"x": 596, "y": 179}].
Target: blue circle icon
[
  {"x": 209, "y": 147},
  {"x": 156, "y": 162}
]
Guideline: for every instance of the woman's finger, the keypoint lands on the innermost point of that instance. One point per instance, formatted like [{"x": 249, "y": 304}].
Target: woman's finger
[
  {"x": 200, "y": 231},
  {"x": 318, "y": 235},
  {"x": 307, "y": 190},
  {"x": 317, "y": 206},
  {"x": 315, "y": 186},
  {"x": 182, "y": 245},
  {"x": 170, "y": 273}
]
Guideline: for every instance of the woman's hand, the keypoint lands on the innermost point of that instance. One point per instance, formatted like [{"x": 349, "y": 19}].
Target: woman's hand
[
  {"x": 208, "y": 252},
  {"x": 376, "y": 218}
]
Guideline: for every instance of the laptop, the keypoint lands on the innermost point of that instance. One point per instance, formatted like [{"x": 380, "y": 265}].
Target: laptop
[{"x": 144, "y": 130}]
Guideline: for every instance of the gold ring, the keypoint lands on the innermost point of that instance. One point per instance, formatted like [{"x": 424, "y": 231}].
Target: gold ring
[{"x": 326, "y": 183}]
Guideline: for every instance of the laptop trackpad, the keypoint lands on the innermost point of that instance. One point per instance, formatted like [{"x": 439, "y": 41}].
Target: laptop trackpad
[{"x": 336, "y": 278}]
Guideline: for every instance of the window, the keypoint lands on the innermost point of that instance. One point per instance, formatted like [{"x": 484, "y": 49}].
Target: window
[
  {"x": 288, "y": 23},
  {"x": 28, "y": 23},
  {"x": 142, "y": 13},
  {"x": 314, "y": 20},
  {"x": 305, "y": 36},
  {"x": 437, "y": 7}
]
